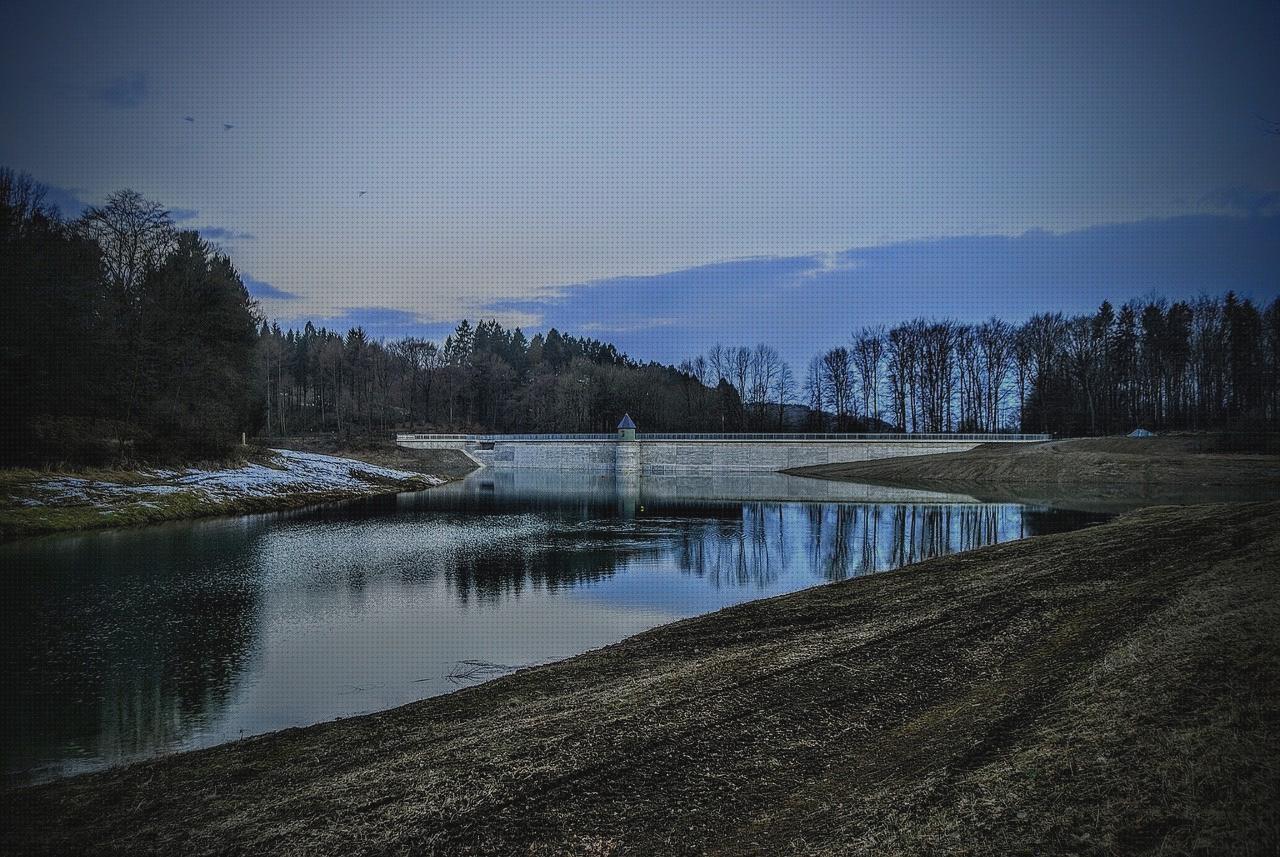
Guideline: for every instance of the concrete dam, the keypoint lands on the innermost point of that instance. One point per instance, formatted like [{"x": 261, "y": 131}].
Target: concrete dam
[{"x": 628, "y": 452}]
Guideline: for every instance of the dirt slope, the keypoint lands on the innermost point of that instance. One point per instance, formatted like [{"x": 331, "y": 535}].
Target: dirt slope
[
  {"x": 1106, "y": 691},
  {"x": 1172, "y": 462}
]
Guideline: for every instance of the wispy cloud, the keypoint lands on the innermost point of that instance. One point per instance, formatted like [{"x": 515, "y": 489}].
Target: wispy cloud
[
  {"x": 182, "y": 214},
  {"x": 376, "y": 322},
  {"x": 265, "y": 291},
  {"x": 1243, "y": 200},
  {"x": 67, "y": 201},
  {"x": 219, "y": 233},
  {"x": 831, "y": 263},
  {"x": 123, "y": 92},
  {"x": 802, "y": 303}
]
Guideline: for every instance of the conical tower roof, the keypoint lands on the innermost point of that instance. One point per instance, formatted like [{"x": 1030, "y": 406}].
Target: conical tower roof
[{"x": 627, "y": 422}]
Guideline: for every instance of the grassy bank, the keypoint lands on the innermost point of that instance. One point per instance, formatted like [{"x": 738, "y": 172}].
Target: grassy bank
[
  {"x": 1106, "y": 691},
  {"x": 1159, "y": 465},
  {"x": 35, "y": 502}
]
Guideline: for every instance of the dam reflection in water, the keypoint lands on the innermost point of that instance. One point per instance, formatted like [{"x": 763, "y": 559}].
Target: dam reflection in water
[{"x": 122, "y": 645}]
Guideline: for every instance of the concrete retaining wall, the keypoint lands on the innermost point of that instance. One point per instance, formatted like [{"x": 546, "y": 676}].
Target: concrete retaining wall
[
  {"x": 683, "y": 456},
  {"x": 549, "y": 455},
  {"x": 746, "y": 456}
]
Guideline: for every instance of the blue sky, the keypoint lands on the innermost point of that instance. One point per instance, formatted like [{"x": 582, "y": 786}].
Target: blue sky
[{"x": 666, "y": 175}]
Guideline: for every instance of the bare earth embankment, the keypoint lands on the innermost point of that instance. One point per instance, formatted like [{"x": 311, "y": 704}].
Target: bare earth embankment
[
  {"x": 1163, "y": 469},
  {"x": 449, "y": 463},
  {"x": 33, "y": 502},
  {"x": 1111, "y": 690}
]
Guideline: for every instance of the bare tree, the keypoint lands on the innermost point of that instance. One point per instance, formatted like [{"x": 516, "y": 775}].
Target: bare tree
[
  {"x": 995, "y": 341},
  {"x": 741, "y": 367},
  {"x": 969, "y": 370},
  {"x": 134, "y": 233},
  {"x": 814, "y": 391},
  {"x": 1043, "y": 335},
  {"x": 936, "y": 346},
  {"x": 783, "y": 391},
  {"x": 868, "y": 356},
  {"x": 1082, "y": 347},
  {"x": 764, "y": 370},
  {"x": 902, "y": 357},
  {"x": 838, "y": 383},
  {"x": 21, "y": 199}
]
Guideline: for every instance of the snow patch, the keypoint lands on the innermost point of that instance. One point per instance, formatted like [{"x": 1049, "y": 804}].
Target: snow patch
[{"x": 300, "y": 472}]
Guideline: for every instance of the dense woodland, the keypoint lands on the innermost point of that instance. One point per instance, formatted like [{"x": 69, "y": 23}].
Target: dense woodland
[
  {"x": 1206, "y": 364},
  {"x": 126, "y": 338},
  {"x": 123, "y": 337}
]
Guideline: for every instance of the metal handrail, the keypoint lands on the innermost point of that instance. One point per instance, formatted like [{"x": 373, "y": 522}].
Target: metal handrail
[
  {"x": 893, "y": 436},
  {"x": 745, "y": 436}
]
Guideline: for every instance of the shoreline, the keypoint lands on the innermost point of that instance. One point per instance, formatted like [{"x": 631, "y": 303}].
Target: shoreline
[
  {"x": 1099, "y": 690},
  {"x": 38, "y": 503}
]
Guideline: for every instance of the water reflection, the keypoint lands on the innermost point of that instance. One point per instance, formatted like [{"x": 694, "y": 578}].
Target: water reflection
[
  {"x": 121, "y": 645},
  {"x": 117, "y": 660}
]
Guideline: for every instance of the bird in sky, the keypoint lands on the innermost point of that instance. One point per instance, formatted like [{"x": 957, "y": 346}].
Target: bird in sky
[
  {"x": 226, "y": 126},
  {"x": 188, "y": 119},
  {"x": 362, "y": 193}
]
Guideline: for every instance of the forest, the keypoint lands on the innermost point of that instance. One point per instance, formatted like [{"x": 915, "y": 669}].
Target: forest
[
  {"x": 126, "y": 338},
  {"x": 122, "y": 337},
  {"x": 1205, "y": 364}
]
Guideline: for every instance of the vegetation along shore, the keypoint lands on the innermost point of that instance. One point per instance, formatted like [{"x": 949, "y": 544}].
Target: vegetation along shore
[
  {"x": 33, "y": 502},
  {"x": 1102, "y": 691}
]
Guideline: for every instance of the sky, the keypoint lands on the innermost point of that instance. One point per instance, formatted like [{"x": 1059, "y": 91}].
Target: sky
[{"x": 670, "y": 175}]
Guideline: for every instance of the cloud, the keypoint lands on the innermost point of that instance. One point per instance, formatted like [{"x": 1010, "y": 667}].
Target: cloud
[
  {"x": 802, "y": 304},
  {"x": 123, "y": 93},
  {"x": 265, "y": 291},
  {"x": 831, "y": 263},
  {"x": 219, "y": 233},
  {"x": 377, "y": 323},
  {"x": 67, "y": 201},
  {"x": 178, "y": 215},
  {"x": 1243, "y": 200}
]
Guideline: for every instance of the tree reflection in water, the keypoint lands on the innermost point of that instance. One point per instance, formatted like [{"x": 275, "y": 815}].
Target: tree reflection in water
[{"x": 122, "y": 645}]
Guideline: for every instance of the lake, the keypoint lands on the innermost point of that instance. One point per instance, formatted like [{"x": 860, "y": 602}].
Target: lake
[{"x": 125, "y": 644}]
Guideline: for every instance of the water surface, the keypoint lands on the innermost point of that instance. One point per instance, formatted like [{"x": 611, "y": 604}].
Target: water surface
[{"x": 125, "y": 644}]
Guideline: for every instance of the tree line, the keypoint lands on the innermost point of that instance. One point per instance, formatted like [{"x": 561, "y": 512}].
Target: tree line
[
  {"x": 121, "y": 337},
  {"x": 1203, "y": 364},
  {"x": 125, "y": 337},
  {"x": 1210, "y": 363},
  {"x": 481, "y": 378}
]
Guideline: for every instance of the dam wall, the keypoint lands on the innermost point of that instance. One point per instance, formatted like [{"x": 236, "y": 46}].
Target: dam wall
[
  {"x": 675, "y": 457},
  {"x": 693, "y": 454}
]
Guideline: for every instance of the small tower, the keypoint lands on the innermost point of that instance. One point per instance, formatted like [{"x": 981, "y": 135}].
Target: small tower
[{"x": 626, "y": 452}]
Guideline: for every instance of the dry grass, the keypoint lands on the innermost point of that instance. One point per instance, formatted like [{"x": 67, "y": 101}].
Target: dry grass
[
  {"x": 1164, "y": 465},
  {"x": 20, "y": 518},
  {"x": 1106, "y": 691}
]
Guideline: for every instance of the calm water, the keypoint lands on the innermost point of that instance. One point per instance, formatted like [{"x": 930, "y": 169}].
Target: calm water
[{"x": 122, "y": 645}]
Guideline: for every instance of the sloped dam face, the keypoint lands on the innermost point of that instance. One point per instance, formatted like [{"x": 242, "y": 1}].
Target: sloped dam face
[
  {"x": 692, "y": 453},
  {"x": 124, "y": 644}
]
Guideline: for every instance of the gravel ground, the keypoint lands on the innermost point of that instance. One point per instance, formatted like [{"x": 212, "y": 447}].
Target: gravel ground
[{"x": 1106, "y": 691}]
